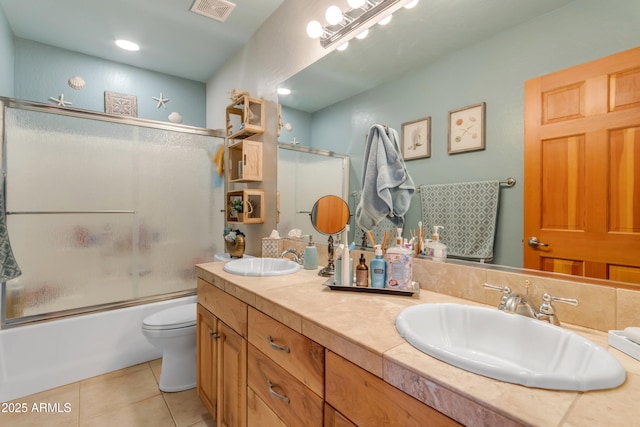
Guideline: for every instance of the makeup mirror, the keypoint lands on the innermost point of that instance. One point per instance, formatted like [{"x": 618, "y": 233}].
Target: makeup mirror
[{"x": 330, "y": 215}]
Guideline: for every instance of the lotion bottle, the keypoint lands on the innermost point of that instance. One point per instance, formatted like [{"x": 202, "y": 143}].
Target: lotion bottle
[
  {"x": 378, "y": 268},
  {"x": 310, "y": 255},
  {"x": 399, "y": 265}
]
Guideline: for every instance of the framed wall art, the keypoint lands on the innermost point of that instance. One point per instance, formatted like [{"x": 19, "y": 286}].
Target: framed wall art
[
  {"x": 466, "y": 129},
  {"x": 416, "y": 139},
  {"x": 120, "y": 103}
]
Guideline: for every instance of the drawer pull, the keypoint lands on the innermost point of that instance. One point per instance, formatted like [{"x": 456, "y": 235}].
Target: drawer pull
[
  {"x": 275, "y": 394},
  {"x": 213, "y": 335},
  {"x": 276, "y": 346}
]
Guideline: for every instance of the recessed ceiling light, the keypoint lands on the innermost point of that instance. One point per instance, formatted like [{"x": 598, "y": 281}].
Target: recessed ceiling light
[
  {"x": 411, "y": 4},
  {"x": 127, "y": 45},
  {"x": 283, "y": 91}
]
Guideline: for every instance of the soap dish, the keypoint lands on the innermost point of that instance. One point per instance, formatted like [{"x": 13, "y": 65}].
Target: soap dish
[
  {"x": 415, "y": 289},
  {"x": 624, "y": 344}
]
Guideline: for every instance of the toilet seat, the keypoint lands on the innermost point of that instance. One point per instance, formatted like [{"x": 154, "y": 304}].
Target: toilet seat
[{"x": 182, "y": 316}]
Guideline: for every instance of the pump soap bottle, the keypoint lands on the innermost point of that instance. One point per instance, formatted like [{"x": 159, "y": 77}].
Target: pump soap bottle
[
  {"x": 399, "y": 265},
  {"x": 310, "y": 255},
  {"x": 362, "y": 273},
  {"x": 378, "y": 269},
  {"x": 438, "y": 249}
]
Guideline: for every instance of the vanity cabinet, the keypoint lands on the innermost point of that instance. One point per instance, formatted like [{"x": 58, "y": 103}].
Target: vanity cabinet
[
  {"x": 366, "y": 400},
  {"x": 252, "y": 203},
  {"x": 222, "y": 355}
]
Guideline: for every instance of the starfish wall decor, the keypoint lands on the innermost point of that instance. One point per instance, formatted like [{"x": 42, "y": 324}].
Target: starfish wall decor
[
  {"x": 60, "y": 100},
  {"x": 162, "y": 102}
]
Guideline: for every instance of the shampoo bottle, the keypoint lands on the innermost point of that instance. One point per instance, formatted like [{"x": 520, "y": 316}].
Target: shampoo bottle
[
  {"x": 378, "y": 268},
  {"x": 362, "y": 273},
  {"x": 399, "y": 265},
  {"x": 310, "y": 255}
]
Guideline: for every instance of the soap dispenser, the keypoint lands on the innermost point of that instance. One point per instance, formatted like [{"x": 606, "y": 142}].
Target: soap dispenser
[
  {"x": 399, "y": 265},
  {"x": 310, "y": 255},
  {"x": 438, "y": 249}
]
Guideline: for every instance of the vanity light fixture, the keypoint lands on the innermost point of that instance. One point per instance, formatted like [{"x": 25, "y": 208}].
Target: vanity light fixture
[
  {"x": 354, "y": 21},
  {"x": 127, "y": 45}
]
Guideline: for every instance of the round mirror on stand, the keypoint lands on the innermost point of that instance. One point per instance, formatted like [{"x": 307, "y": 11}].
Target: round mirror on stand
[{"x": 330, "y": 215}]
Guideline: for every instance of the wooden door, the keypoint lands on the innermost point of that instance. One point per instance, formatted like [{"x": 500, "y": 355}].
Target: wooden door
[
  {"x": 232, "y": 378},
  {"x": 582, "y": 169},
  {"x": 206, "y": 359}
]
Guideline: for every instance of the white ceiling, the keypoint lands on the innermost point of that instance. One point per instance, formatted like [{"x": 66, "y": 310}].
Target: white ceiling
[{"x": 173, "y": 39}]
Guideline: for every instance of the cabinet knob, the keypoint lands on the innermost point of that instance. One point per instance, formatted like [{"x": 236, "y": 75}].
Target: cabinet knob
[{"x": 213, "y": 335}]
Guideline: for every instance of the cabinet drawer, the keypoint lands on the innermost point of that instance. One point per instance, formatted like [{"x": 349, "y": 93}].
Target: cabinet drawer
[
  {"x": 297, "y": 354},
  {"x": 294, "y": 403},
  {"x": 225, "y": 307},
  {"x": 259, "y": 414},
  {"x": 369, "y": 401}
]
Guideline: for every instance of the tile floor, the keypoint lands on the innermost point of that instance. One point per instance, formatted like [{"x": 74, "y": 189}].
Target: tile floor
[{"x": 126, "y": 398}]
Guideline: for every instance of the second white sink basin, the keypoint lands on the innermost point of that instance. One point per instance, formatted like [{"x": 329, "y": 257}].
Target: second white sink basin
[
  {"x": 261, "y": 267},
  {"x": 509, "y": 347}
]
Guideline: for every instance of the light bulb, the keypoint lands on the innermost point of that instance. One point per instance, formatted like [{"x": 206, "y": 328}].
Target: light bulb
[
  {"x": 355, "y": 3},
  {"x": 343, "y": 46},
  {"x": 385, "y": 20},
  {"x": 411, "y": 4},
  {"x": 333, "y": 15},
  {"x": 314, "y": 29},
  {"x": 363, "y": 34}
]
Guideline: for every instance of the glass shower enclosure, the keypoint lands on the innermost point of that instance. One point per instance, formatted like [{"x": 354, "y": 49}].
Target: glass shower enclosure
[{"x": 103, "y": 211}]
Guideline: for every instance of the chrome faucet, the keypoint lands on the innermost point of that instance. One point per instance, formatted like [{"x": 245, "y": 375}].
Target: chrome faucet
[
  {"x": 296, "y": 257},
  {"x": 518, "y": 304}
]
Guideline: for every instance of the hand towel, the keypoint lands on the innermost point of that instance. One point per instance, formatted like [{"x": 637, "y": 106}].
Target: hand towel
[
  {"x": 8, "y": 266},
  {"x": 386, "y": 185},
  {"x": 468, "y": 212}
]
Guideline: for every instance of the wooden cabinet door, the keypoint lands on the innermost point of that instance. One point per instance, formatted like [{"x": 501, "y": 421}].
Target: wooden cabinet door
[
  {"x": 206, "y": 363},
  {"x": 232, "y": 378},
  {"x": 333, "y": 418},
  {"x": 582, "y": 169}
]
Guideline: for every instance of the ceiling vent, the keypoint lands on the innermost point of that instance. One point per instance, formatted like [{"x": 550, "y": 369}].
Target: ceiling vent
[{"x": 214, "y": 9}]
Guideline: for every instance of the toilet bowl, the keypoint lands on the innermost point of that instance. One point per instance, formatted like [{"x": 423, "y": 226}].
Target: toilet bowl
[{"x": 173, "y": 331}]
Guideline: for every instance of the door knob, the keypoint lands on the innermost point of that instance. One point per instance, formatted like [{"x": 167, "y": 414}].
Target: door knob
[{"x": 534, "y": 242}]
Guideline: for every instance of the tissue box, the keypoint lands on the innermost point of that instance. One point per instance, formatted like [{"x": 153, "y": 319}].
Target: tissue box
[{"x": 271, "y": 248}]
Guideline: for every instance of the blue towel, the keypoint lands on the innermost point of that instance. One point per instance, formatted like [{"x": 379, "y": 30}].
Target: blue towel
[
  {"x": 468, "y": 211},
  {"x": 8, "y": 266},
  {"x": 386, "y": 185}
]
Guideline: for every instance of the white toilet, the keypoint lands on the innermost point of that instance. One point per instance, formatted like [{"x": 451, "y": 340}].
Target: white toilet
[{"x": 173, "y": 331}]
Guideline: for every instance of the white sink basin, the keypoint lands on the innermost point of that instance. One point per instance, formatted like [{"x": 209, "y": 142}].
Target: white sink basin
[
  {"x": 261, "y": 267},
  {"x": 509, "y": 347}
]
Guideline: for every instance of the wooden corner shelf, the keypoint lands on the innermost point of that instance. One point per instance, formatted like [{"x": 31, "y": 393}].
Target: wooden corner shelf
[
  {"x": 245, "y": 118},
  {"x": 252, "y": 201},
  {"x": 245, "y": 161}
]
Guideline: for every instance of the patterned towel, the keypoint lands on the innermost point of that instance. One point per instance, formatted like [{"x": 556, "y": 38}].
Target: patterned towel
[
  {"x": 8, "y": 266},
  {"x": 468, "y": 211}
]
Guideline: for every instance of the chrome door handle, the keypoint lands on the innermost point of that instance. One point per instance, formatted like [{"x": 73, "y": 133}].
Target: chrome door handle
[{"x": 534, "y": 242}]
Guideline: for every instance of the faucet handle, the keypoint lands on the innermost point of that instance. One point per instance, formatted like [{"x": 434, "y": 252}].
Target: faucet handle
[
  {"x": 547, "y": 307},
  {"x": 506, "y": 293}
]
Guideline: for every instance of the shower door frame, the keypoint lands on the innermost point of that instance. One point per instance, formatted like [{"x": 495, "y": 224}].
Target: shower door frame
[{"x": 5, "y": 103}]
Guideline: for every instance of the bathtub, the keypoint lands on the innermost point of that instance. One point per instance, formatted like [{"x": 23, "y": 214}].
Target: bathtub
[{"x": 38, "y": 357}]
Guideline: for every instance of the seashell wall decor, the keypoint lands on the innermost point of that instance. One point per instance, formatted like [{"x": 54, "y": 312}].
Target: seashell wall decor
[{"x": 77, "y": 83}]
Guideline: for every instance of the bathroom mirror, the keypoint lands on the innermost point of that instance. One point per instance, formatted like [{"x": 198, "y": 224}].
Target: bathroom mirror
[
  {"x": 330, "y": 215},
  {"x": 446, "y": 82}
]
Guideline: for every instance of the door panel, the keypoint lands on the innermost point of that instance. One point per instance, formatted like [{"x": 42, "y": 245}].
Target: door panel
[{"x": 582, "y": 169}]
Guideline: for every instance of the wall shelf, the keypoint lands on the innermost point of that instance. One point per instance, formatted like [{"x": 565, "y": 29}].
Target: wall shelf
[
  {"x": 245, "y": 118},
  {"x": 245, "y": 161},
  {"x": 252, "y": 201}
]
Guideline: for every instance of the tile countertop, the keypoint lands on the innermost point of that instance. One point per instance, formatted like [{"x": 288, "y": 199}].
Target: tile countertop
[{"x": 360, "y": 327}]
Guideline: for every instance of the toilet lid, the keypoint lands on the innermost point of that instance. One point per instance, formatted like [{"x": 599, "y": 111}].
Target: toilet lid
[{"x": 181, "y": 316}]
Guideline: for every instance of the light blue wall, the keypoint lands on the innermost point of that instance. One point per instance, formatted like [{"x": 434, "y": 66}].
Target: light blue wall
[
  {"x": 6, "y": 56},
  {"x": 301, "y": 126},
  {"x": 42, "y": 72},
  {"x": 493, "y": 71}
]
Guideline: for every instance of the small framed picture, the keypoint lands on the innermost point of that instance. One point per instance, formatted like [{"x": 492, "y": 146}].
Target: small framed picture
[
  {"x": 466, "y": 129},
  {"x": 416, "y": 139}
]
